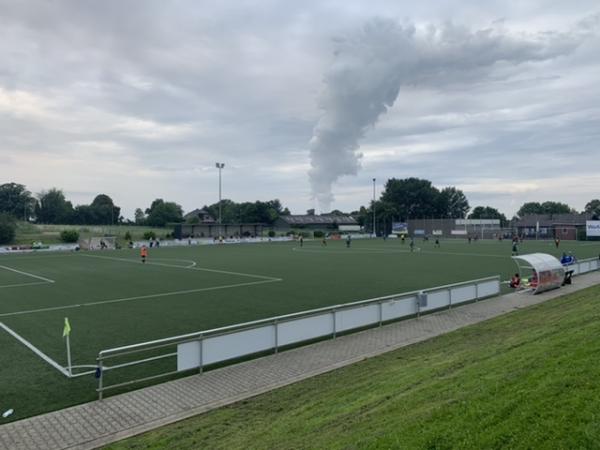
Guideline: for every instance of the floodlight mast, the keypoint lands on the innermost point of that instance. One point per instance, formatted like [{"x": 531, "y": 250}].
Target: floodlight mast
[
  {"x": 374, "y": 232},
  {"x": 220, "y": 166}
]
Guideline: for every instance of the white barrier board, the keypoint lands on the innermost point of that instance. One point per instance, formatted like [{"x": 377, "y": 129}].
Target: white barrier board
[
  {"x": 347, "y": 319},
  {"x": 437, "y": 299},
  {"x": 229, "y": 346},
  {"x": 304, "y": 329},
  {"x": 463, "y": 294},
  {"x": 394, "y": 309}
]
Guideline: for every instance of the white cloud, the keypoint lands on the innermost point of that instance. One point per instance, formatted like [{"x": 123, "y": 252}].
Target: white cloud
[{"x": 140, "y": 102}]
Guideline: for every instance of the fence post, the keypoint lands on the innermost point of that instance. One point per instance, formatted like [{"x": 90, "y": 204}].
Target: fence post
[
  {"x": 380, "y": 313},
  {"x": 449, "y": 298},
  {"x": 100, "y": 376},
  {"x": 334, "y": 323},
  {"x": 201, "y": 340},
  {"x": 476, "y": 292},
  {"x": 275, "y": 324}
]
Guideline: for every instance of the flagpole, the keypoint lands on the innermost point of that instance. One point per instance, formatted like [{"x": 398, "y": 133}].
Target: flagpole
[
  {"x": 69, "y": 356},
  {"x": 66, "y": 334}
]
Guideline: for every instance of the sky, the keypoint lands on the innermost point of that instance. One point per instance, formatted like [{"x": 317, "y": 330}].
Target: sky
[{"x": 302, "y": 101}]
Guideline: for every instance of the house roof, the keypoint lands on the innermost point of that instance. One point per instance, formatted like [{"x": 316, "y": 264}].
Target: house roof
[
  {"x": 197, "y": 213},
  {"x": 323, "y": 219}
]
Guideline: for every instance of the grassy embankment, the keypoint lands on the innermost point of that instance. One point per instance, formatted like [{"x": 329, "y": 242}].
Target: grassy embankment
[
  {"x": 50, "y": 234},
  {"x": 529, "y": 379}
]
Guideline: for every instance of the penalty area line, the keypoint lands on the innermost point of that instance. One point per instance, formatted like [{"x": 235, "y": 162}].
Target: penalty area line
[
  {"x": 139, "y": 297},
  {"x": 47, "y": 280},
  {"x": 35, "y": 350},
  {"x": 192, "y": 267}
]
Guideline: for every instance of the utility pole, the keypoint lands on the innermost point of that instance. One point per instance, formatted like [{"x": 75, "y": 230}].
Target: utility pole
[
  {"x": 374, "y": 232},
  {"x": 220, "y": 166}
]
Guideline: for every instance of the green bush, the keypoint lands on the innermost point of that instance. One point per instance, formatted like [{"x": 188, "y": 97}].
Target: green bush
[
  {"x": 148, "y": 235},
  {"x": 69, "y": 236},
  {"x": 271, "y": 233},
  {"x": 8, "y": 229},
  {"x": 319, "y": 234}
]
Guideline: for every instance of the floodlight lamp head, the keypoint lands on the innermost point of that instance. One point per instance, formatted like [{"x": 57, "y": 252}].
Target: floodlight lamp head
[{"x": 219, "y": 165}]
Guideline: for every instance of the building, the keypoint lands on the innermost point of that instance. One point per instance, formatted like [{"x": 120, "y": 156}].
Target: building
[
  {"x": 215, "y": 230},
  {"x": 550, "y": 226},
  {"x": 323, "y": 222},
  {"x": 199, "y": 216},
  {"x": 456, "y": 228}
]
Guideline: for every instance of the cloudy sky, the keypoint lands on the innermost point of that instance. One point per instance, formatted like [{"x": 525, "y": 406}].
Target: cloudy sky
[{"x": 302, "y": 101}]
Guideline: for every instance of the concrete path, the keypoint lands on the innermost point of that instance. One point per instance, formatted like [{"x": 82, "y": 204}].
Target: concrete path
[{"x": 98, "y": 423}]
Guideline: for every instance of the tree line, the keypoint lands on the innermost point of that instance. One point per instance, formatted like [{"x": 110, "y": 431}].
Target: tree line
[
  {"x": 52, "y": 207},
  {"x": 415, "y": 198},
  {"x": 401, "y": 200}
]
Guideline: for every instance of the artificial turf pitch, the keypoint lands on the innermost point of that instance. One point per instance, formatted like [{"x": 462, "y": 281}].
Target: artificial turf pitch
[{"x": 112, "y": 299}]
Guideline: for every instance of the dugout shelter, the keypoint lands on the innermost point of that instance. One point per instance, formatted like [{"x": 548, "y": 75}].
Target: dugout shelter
[{"x": 543, "y": 271}]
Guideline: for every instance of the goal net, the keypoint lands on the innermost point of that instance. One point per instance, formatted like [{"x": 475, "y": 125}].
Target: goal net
[{"x": 98, "y": 243}]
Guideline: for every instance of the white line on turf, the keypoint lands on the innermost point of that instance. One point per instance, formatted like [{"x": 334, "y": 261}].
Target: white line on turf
[
  {"x": 383, "y": 251},
  {"x": 35, "y": 350},
  {"x": 201, "y": 269},
  {"x": 139, "y": 297},
  {"x": 33, "y": 283},
  {"x": 47, "y": 280}
]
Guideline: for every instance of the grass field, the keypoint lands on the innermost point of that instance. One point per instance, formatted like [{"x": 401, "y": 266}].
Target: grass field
[
  {"x": 526, "y": 380},
  {"x": 112, "y": 299}
]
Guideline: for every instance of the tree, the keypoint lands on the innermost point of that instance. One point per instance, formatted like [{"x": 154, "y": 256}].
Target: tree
[
  {"x": 487, "y": 212},
  {"x": 160, "y": 213},
  {"x": 453, "y": 203},
  {"x": 16, "y": 200},
  {"x": 52, "y": 207},
  {"x": 593, "y": 208},
  {"x": 7, "y": 228},
  {"x": 310, "y": 212},
  {"x": 544, "y": 208},
  {"x": 139, "y": 216},
  {"x": 412, "y": 198},
  {"x": 104, "y": 210},
  {"x": 248, "y": 212}
]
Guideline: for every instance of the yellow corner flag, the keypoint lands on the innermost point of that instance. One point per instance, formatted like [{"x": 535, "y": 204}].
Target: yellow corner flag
[{"x": 67, "y": 329}]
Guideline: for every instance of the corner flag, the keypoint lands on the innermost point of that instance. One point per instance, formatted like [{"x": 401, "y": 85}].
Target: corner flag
[{"x": 67, "y": 329}]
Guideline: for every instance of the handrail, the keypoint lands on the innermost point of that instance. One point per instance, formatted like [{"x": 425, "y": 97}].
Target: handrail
[{"x": 283, "y": 318}]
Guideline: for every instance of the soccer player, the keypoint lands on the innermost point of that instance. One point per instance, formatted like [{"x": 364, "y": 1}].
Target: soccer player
[
  {"x": 348, "y": 241},
  {"x": 144, "y": 253},
  {"x": 301, "y": 241},
  {"x": 412, "y": 244},
  {"x": 557, "y": 241},
  {"x": 437, "y": 242},
  {"x": 515, "y": 248}
]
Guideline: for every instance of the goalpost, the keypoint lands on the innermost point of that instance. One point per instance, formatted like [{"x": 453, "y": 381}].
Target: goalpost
[{"x": 98, "y": 243}]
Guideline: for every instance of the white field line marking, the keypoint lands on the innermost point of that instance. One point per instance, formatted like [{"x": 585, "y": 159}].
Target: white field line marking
[
  {"x": 26, "y": 256},
  {"x": 139, "y": 297},
  {"x": 33, "y": 283},
  {"x": 376, "y": 251},
  {"x": 201, "y": 269},
  {"x": 47, "y": 280},
  {"x": 35, "y": 350}
]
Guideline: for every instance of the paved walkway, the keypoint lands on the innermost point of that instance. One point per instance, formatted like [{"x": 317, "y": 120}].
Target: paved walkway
[{"x": 98, "y": 423}]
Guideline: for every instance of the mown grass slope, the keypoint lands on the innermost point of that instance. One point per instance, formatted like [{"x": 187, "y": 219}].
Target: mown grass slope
[{"x": 529, "y": 379}]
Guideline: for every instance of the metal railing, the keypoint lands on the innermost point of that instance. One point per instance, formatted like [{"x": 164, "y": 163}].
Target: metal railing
[{"x": 194, "y": 351}]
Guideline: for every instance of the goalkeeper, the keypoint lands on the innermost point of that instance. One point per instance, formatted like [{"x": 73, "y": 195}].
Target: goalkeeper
[{"x": 144, "y": 253}]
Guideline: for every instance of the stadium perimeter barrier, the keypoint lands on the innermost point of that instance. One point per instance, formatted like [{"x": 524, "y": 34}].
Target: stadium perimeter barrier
[
  {"x": 585, "y": 265},
  {"x": 195, "y": 351}
]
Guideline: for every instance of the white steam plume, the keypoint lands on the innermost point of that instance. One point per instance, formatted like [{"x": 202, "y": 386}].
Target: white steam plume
[{"x": 370, "y": 68}]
